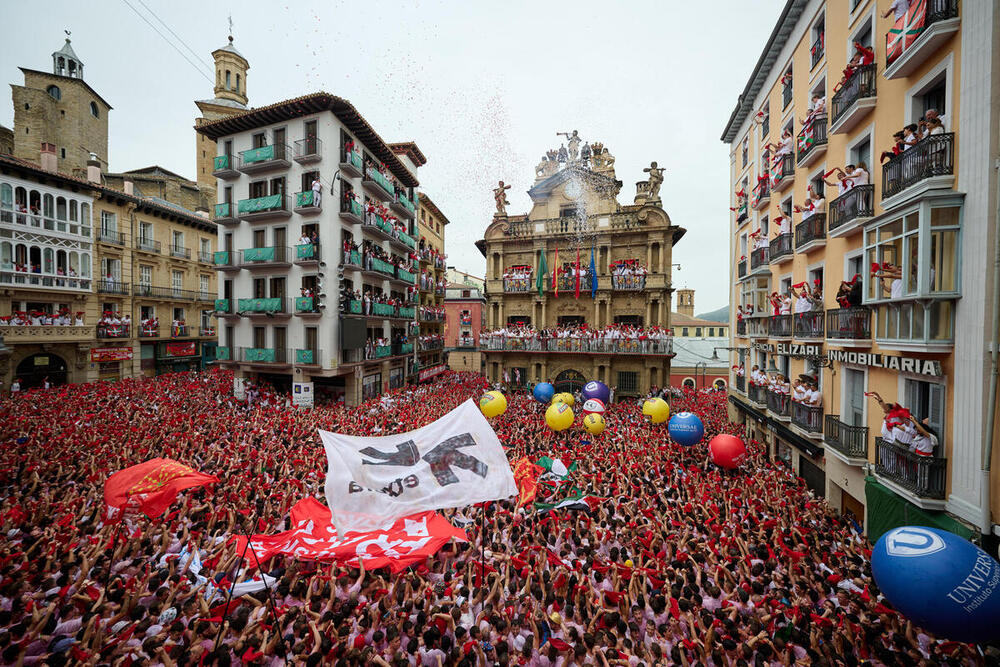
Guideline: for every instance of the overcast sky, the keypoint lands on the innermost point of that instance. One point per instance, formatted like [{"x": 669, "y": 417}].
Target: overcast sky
[{"x": 482, "y": 87}]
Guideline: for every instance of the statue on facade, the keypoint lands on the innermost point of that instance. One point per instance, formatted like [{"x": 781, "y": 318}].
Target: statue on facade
[
  {"x": 573, "y": 143},
  {"x": 547, "y": 166},
  {"x": 585, "y": 154},
  {"x": 562, "y": 154},
  {"x": 500, "y": 196},
  {"x": 655, "y": 179}
]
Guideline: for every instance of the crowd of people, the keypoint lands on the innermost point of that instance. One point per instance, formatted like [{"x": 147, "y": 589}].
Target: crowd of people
[
  {"x": 628, "y": 274},
  {"x": 674, "y": 563},
  {"x": 579, "y": 337},
  {"x": 62, "y": 317},
  {"x": 912, "y": 133}
]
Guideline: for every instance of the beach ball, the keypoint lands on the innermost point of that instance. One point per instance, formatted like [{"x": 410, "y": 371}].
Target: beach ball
[
  {"x": 941, "y": 582},
  {"x": 686, "y": 428},
  {"x": 598, "y": 390},
  {"x": 543, "y": 392},
  {"x": 594, "y": 423},
  {"x": 493, "y": 404},
  {"x": 593, "y": 405},
  {"x": 727, "y": 451},
  {"x": 564, "y": 397},
  {"x": 656, "y": 409},
  {"x": 559, "y": 416}
]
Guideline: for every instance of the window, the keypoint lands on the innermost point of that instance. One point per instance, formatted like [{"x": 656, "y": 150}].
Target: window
[
  {"x": 205, "y": 246},
  {"x": 54, "y": 92},
  {"x": 178, "y": 239},
  {"x": 935, "y": 98},
  {"x": 628, "y": 382},
  {"x": 177, "y": 280},
  {"x": 697, "y": 332},
  {"x": 711, "y": 332},
  {"x": 145, "y": 275},
  {"x": 237, "y": 83},
  {"x": 147, "y": 312},
  {"x": 179, "y": 314},
  {"x": 745, "y": 152},
  {"x": 861, "y": 153},
  {"x": 684, "y": 331},
  {"x": 229, "y": 83},
  {"x": 926, "y": 400},
  {"x": 109, "y": 223},
  {"x": 94, "y": 111},
  {"x": 854, "y": 397}
]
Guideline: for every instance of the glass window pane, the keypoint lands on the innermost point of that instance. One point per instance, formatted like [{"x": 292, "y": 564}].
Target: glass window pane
[
  {"x": 892, "y": 312},
  {"x": 904, "y": 321},
  {"x": 944, "y": 216},
  {"x": 912, "y": 222},
  {"x": 919, "y": 313},
  {"x": 941, "y": 315},
  {"x": 911, "y": 273},
  {"x": 944, "y": 261},
  {"x": 890, "y": 230}
]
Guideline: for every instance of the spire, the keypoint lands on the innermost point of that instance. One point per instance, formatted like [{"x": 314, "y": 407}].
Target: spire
[{"x": 65, "y": 62}]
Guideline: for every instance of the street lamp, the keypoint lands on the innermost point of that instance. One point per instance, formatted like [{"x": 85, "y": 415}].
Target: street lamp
[{"x": 704, "y": 369}]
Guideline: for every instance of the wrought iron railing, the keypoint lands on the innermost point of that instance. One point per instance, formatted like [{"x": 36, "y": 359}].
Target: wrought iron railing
[
  {"x": 780, "y": 326},
  {"x": 807, "y": 417},
  {"x": 112, "y": 287},
  {"x": 929, "y": 157},
  {"x": 858, "y": 202},
  {"x": 853, "y": 323},
  {"x": 741, "y": 383},
  {"x": 851, "y": 441},
  {"x": 809, "y": 325},
  {"x": 936, "y": 10},
  {"x": 811, "y": 229},
  {"x": 759, "y": 257},
  {"x": 741, "y": 268},
  {"x": 623, "y": 283},
  {"x": 757, "y": 394},
  {"x": 584, "y": 345},
  {"x": 860, "y": 85},
  {"x": 786, "y": 96},
  {"x": 781, "y": 245},
  {"x": 812, "y": 137},
  {"x": 778, "y": 403},
  {"x": 924, "y": 476}
]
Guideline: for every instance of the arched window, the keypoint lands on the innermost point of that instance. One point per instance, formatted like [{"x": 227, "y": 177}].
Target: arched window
[
  {"x": 72, "y": 68},
  {"x": 228, "y": 83},
  {"x": 6, "y": 256},
  {"x": 60, "y": 208},
  {"x": 48, "y": 261},
  {"x": 689, "y": 383},
  {"x": 94, "y": 111},
  {"x": 74, "y": 215},
  {"x": 6, "y": 202},
  {"x": 237, "y": 83},
  {"x": 54, "y": 92},
  {"x": 85, "y": 218},
  {"x": 47, "y": 207},
  {"x": 61, "y": 69}
]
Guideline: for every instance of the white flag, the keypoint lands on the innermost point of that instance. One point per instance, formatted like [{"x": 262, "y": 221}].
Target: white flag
[{"x": 453, "y": 462}]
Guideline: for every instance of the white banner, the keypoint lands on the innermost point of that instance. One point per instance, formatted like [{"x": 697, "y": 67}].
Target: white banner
[{"x": 453, "y": 462}]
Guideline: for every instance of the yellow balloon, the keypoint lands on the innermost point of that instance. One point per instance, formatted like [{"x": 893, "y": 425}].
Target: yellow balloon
[
  {"x": 594, "y": 423},
  {"x": 559, "y": 416},
  {"x": 493, "y": 404},
  {"x": 656, "y": 409},
  {"x": 564, "y": 397}
]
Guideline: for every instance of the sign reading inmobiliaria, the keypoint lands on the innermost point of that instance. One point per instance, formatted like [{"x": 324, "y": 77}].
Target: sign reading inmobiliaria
[{"x": 455, "y": 461}]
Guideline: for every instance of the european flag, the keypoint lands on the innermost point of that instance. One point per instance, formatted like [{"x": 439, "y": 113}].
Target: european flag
[{"x": 593, "y": 275}]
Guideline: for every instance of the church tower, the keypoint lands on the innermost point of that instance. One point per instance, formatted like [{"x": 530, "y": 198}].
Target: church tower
[
  {"x": 685, "y": 302},
  {"x": 230, "y": 98}
]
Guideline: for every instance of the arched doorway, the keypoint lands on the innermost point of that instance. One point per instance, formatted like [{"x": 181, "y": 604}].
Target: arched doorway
[
  {"x": 719, "y": 384},
  {"x": 689, "y": 383},
  {"x": 570, "y": 380},
  {"x": 33, "y": 370}
]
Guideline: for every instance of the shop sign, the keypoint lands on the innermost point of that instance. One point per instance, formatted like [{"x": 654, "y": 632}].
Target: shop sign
[
  {"x": 889, "y": 361},
  {"x": 429, "y": 372},
  {"x": 100, "y": 354},
  {"x": 302, "y": 394},
  {"x": 189, "y": 349}
]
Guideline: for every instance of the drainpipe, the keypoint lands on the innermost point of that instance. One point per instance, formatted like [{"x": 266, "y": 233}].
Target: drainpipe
[{"x": 987, "y": 523}]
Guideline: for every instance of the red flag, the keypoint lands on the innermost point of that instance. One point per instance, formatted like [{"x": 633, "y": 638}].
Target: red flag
[
  {"x": 526, "y": 476},
  {"x": 577, "y": 288},
  {"x": 905, "y": 30},
  {"x": 150, "y": 487}
]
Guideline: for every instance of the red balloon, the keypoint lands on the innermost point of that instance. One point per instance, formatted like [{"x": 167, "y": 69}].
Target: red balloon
[{"x": 727, "y": 451}]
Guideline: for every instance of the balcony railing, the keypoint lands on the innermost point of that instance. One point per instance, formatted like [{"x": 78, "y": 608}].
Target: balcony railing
[
  {"x": 149, "y": 331},
  {"x": 257, "y": 207},
  {"x": 809, "y": 325},
  {"x": 757, "y": 394},
  {"x": 783, "y": 174},
  {"x": 741, "y": 384},
  {"x": 225, "y": 259},
  {"x": 272, "y": 255},
  {"x": 306, "y": 199},
  {"x": 741, "y": 327},
  {"x": 113, "y": 330},
  {"x": 380, "y": 266},
  {"x": 929, "y": 157},
  {"x": 786, "y": 96},
  {"x": 759, "y": 257},
  {"x": 180, "y": 251},
  {"x": 264, "y": 355},
  {"x": 581, "y": 345},
  {"x": 351, "y": 161},
  {"x": 223, "y": 353},
  {"x": 936, "y": 10},
  {"x": 810, "y": 230},
  {"x": 307, "y": 252},
  {"x": 147, "y": 245},
  {"x": 810, "y": 139},
  {"x": 205, "y": 257},
  {"x": 809, "y": 418},
  {"x": 517, "y": 284},
  {"x": 352, "y": 208},
  {"x": 271, "y": 305},
  {"x": 757, "y": 327},
  {"x": 781, "y": 246},
  {"x": 761, "y": 193},
  {"x": 224, "y": 306},
  {"x": 111, "y": 236},
  {"x": 224, "y": 166},
  {"x": 306, "y": 304},
  {"x": 205, "y": 332},
  {"x": 265, "y": 157},
  {"x": 308, "y": 150},
  {"x": 180, "y": 331},
  {"x": 851, "y": 441},
  {"x": 635, "y": 283},
  {"x": 816, "y": 50},
  {"x": 405, "y": 276},
  {"x": 778, "y": 403},
  {"x": 856, "y": 204},
  {"x": 780, "y": 326},
  {"x": 225, "y": 212},
  {"x": 849, "y": 323},
  {"x": 923, "y": 476},
  {"x": 309, "y": 357},
  {"x": 352, "y": 258},
  {"x": 860, "y": 85},
  {"x": 741, "y": 269},
  {"x": 171, "y": 293},
  {"x": 112, "y": 287},
  {"x": 373, "y": 175}
]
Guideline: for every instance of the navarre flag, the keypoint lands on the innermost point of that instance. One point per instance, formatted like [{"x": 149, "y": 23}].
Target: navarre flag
[
  {"x": 542, "y": 270},
  {"x": 313, "y": 537},
  {"x": 906, "y": 30},
  {"x": 455, "y": 461},
  {"x": 526, "y": 476},
  {"x": 149, "y": 487}
]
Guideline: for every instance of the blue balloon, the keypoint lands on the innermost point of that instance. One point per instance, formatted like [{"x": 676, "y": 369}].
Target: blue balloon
[
  {"x": 543, "y": 392},
  {"x": 598, "y": 390},
  {"x": 686, "y": 428},
  {"x": 939, "y": 581}
]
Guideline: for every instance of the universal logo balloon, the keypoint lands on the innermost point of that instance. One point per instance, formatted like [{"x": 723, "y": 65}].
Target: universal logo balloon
[
  {"x": 939, "y": 581},
  {"x": 686, "y": 429}
]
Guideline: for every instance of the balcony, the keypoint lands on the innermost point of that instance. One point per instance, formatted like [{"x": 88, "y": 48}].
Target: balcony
[
  {"x": 113, "y": 331},
  {"x": 407, "y": 312},
  {"x": 225, "y": 214},
  {"x": 307, "y": 306},
  {"x": 265, "y": 158},
  {"x": 928, "y": 165},
  {"x": 223, "y": 166},
  {"x": 377, "y": 185},
  {"x": 778, "y": 404},
  {"x": 272, "y": 307},
  {"x": 851, "y": 210},
  {"x": 352, "y": 260},
  {"x": 223, "y": 353},
  {"x": 759, "y": 261},
  {"x": 308, "y": 357},
  {"x": 781, "y": 248},
  {"x": 779, "y": 326},
  {"x": 850, "y": 442},
  {"x": 809, "y": 326},
  {"x": 786, "y": 96},
  {"x": 382, "y": 352},
  {"x": 741, "y": 384},
  {"x": 205, "y": 257},
  {"x": 517, "y": 285},
  {"x": 941, "y": 21},
  {"x": 403, "y": 206},
  {"x": 261, "y": 209},
  {"x": 46, "y": 334},
  {"x": 622, "y": 283},
  {"x": 180, "y": 331},
  {"x": 431, "y": 345},
  {"x": 919, "y": 477},
  {"x": 379, "y": 227},
  {"x": 307, "y": 254},
  {"x": 761, "y": 195},
  {"x": 205, "y": 297},
  {"x": 225, "y": 260},
  {"x": 757, "y": 394},
  {"x": 632, "y": 346},
  {"x": 378, "y": 267},
  {"x": 808, "y": 419},
  {"x": 269, "y": 258},
  {"x": 919, "y": 325},
  {"x": 110, "y": 237},
  {"x": 308, "y": 151},
  {"x": 741, "y": 328},
  {"x": 305, "y": 203},
  {"x": 811, "y": 141},
  {"x": 816, "y": 51},
  {"x": 849, "y": 327},
  {"x": 810, "y": 234},
  {"x": 854, "y": 100},
  {"x": 404, "y": 241},
  {"x": 225, "y": 308},
  {"x": 149, "y": 331},
  {"x": 180, "y": 252},
  {"x": 383, "y": 309},
  {"x": 206, "y": 332},
  {"x": 351, "y": 163},
  {"x": 112, "y": 287},
  {"x": 147, "y": 245},
  {"x": 757, "y": 327},
  {"x": 405, "y": 277},
  {"x": 403, "y": 348},
  {"x": 264, "y": 355},
  {"x": 741, "y": 269},
  {"x": 783, "y": 175},
  {"x": 163, "y": 293}
]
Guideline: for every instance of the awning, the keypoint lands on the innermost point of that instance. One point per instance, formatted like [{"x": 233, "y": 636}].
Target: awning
[
  {"x": 803, "y": 444},
  {"x": 887, "y": 510}
]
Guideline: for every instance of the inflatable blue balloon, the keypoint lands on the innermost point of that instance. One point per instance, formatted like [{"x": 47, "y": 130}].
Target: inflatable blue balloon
[
  {"x": 598, "y": 390},
  {"x": 686, "y": 428},
  {"x": 543, "y": 392},
  {"x": 939, "y": 581}
]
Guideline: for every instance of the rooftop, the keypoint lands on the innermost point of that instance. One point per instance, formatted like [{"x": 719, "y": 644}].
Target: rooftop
[
  {"x": 60, "y": 77},
  {"x": 679, "y": 319},
  {"x": 690, "y": 351},
  {"x": 432, "y": 207}
]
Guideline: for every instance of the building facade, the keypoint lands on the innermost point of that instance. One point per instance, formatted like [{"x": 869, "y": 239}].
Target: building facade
[
  {"x": 456, "y": 277},
  {"x": 913, "y": 234},
  {"x": 575, "y": 215},
  {"x": 285, "y": 246},
  {"x": 464, "y": 319},
  {"x": 431, "y": 313}
]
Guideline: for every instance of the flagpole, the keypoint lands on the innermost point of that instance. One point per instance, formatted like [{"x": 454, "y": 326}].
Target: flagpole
[
  {"x": 482, "y": 550},
  {"x": 114, "y": 544},
  {"x": 267, "y": 587},
  {"x": 229, "y": 594}
]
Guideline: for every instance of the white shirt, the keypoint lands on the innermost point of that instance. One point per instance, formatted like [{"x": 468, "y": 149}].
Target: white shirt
[
  {"x": 896, "y": 289},
  {"x": 924, "y": 444},
  {"x": 802, "y": 305},
  {"x": 899, "y": 7}
]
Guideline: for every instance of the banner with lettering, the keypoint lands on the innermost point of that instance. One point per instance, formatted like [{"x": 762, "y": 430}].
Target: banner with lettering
[
  {"x": 189, "y": 349},
  {"x": 313, "y": 537},
  {"x": 453, "y": 462}
]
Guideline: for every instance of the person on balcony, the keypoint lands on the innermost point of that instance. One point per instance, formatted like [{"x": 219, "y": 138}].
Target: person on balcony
[
  {"x": 910, "y": 136},
  {"x": 317, "y": 190},
  {"x": 898, "y": 8},
  {"x": 925, "y": 438},
  {"x": 891, "y": 273},
  {"x": 803, "y": 304},
  {"x": 784, "y": 225}
]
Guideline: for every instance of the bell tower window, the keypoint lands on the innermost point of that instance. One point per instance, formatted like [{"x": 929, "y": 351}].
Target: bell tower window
[{"x": 228, "y": 86}]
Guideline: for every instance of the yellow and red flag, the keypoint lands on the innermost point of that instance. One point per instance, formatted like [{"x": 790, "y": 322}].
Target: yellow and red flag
[
  {"x": 149, "y": 487},
  {"x": 526, "y": 476}
]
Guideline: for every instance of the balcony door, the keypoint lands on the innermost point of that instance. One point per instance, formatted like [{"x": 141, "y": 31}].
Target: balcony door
[
  {"x": 926, "y": 399},
  {"x": 854, "y": 397},
  {"x": 280, "y": 339}
]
